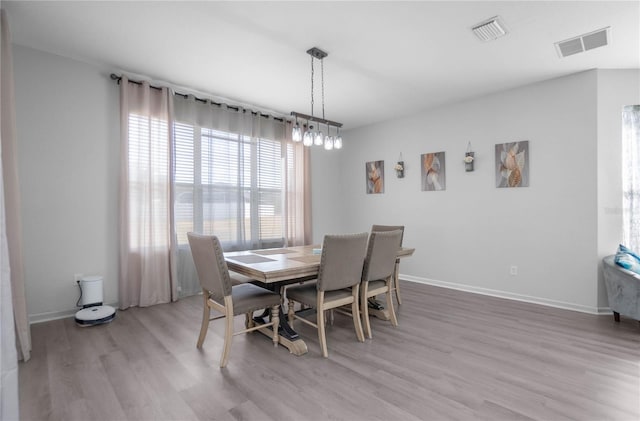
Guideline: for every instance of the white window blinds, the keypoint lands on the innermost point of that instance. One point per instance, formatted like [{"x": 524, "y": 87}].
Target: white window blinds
[{"x": 230, "y": 184}]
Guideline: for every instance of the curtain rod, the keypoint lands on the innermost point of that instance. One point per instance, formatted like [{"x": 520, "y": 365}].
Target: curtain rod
[{"x": 117, "y": 79}]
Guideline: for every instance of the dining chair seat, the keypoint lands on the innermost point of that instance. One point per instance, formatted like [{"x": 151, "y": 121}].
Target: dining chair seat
[
  {"x": 248, "y": 298},
  {"x": 377, "y": 285},
  {"x": 307, "y": 294},
  {"x": 237, "y": 279}
]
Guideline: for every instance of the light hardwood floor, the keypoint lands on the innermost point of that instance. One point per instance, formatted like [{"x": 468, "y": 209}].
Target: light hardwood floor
[{"x": 455, "y": 355}]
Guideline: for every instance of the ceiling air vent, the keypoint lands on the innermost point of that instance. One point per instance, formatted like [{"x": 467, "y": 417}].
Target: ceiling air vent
[
  {"x": 490, "y": 29},
  {"x": 583, "y": 42}
]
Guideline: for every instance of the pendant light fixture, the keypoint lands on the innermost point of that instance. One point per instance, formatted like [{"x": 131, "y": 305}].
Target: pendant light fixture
[{"x": 305, "y": 132}]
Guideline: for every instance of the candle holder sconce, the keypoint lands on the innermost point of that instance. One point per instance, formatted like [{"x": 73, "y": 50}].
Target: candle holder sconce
[
  {"x": 399, "y": 167},
  {"x": 469, "y": 158}
]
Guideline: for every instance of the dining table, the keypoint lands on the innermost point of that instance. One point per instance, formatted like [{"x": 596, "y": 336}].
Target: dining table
[{"x": 275, "y": 268}]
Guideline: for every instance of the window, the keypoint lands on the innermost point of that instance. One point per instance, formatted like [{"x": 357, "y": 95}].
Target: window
[
  {"x": 631, "y": 176},
  {"x": 230, "y": 185},
  {"x": 194, "y": 165}
]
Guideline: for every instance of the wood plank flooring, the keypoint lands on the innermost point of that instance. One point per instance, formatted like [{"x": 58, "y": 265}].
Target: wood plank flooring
[{"x": 455, "y": 355}]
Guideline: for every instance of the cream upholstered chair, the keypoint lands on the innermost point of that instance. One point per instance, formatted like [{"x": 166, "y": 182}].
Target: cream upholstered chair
[
  {"x": 219, "y": 294},
  {"x": 378, "y": 273},
  {"x": 396, "y": 281},
  {"x": 338, "y": 283}
]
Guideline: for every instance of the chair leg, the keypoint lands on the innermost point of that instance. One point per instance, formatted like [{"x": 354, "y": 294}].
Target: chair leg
[
  {"x": 228, "y": 331},
  {"x": 392, "y": 311},
  {"x": 206, "y": 315},
  {"x": 322, "y": 337},
  {"x": 396, "y": 282},
  {"x": 275, "y": 319},
  {"x": 355, "y": 312},
  {"x": 616, "y": 316},
  {"x": 364, "y": 308}
]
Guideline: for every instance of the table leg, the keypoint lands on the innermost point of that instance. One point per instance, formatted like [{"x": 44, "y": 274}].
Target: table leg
[
  {"x": 288, "y": 337},
  {"x": 376, "y": 309}
]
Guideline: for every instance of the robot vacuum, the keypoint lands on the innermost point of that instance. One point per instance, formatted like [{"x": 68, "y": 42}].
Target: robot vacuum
[
  {"x": 93, "y": 312},
  {"x": 95, "y": 315}
]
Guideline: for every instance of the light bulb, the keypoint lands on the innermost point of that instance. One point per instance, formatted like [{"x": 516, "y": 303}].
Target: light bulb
[
  {"x": 307, "y": 139},
  {"x": 296, "y": 133},
  {"x": 319, "y": 138},
  {"x": 337, "y": 143},
  {"x": 328, "y": 143}
]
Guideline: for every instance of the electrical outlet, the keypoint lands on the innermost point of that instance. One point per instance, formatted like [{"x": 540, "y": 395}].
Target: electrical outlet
[
  {"x": 513, "y": 270},
  {"x": 76, "y": 278}
]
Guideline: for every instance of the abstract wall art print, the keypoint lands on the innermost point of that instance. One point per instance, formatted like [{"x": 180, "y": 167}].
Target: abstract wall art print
[
  {"x": 433, "y": 171},
  {"x": 375, "y": 177},
  {"x": 512, "y": 164}
]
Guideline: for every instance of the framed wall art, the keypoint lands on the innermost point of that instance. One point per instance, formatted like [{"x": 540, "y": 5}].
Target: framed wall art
[
  {"x": 512, "y": 164},
  {"x": 433, "y": 171},
  {"x": 375, "y": 177}
]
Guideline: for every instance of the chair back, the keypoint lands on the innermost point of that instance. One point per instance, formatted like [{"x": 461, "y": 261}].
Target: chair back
[
  {"x": 210, "y": 264},
  {"x": 341, "y": 261},
  {"x": 382, "y": 252},
  {"x": 384, "y": 228}
]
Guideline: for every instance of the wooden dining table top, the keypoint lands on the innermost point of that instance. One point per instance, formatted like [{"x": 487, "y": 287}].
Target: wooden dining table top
[{"x": 282, "y": 264}]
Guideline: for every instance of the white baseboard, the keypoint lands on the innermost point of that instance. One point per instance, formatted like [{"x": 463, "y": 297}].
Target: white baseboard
[
  {"x": 508, "y": 295},
  {"x": 55, "y": 315},
  {"x": 605, "y": 311}
]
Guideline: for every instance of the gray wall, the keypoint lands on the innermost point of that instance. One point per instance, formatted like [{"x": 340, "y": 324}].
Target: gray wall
[
  {"x": 466, "y": 237},
  {"x": 68, "y": 145}
]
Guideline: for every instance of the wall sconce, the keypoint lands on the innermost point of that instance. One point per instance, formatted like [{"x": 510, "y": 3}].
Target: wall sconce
[
  {"x": 469, "y": 157},
  {"x": 399, "y": 167}
]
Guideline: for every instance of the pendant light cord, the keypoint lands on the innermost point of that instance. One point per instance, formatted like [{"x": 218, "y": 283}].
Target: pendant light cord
[
  {"x": 312, "y": 125},
  {"x": 312, "y": 86},
  {"x": 322, "y": 82}
]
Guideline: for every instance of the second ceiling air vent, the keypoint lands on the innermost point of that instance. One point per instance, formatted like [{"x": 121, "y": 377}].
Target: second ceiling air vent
[
  {"x": 583, "y": 43},
  {"x": 490, "y": 29}
]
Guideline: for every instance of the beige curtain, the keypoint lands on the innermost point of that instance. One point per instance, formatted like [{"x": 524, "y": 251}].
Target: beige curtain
[
  {"x": 146, "y": 241},
  {"x": 631, "y": 177},
  {"x": 8, "y": 354},
  {"x": 14, "y": 326},
  {"x": 308, "y": 234},
  {"x": 298, "y": 197},
  {"x": 12, "y": 197}
]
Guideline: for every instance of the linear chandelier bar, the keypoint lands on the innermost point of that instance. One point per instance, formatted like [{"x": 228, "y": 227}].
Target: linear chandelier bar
[{"x": 316, "y": 119}]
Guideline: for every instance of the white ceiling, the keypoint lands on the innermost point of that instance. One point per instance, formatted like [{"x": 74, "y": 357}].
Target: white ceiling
[{"x": 386, "y": 58}]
